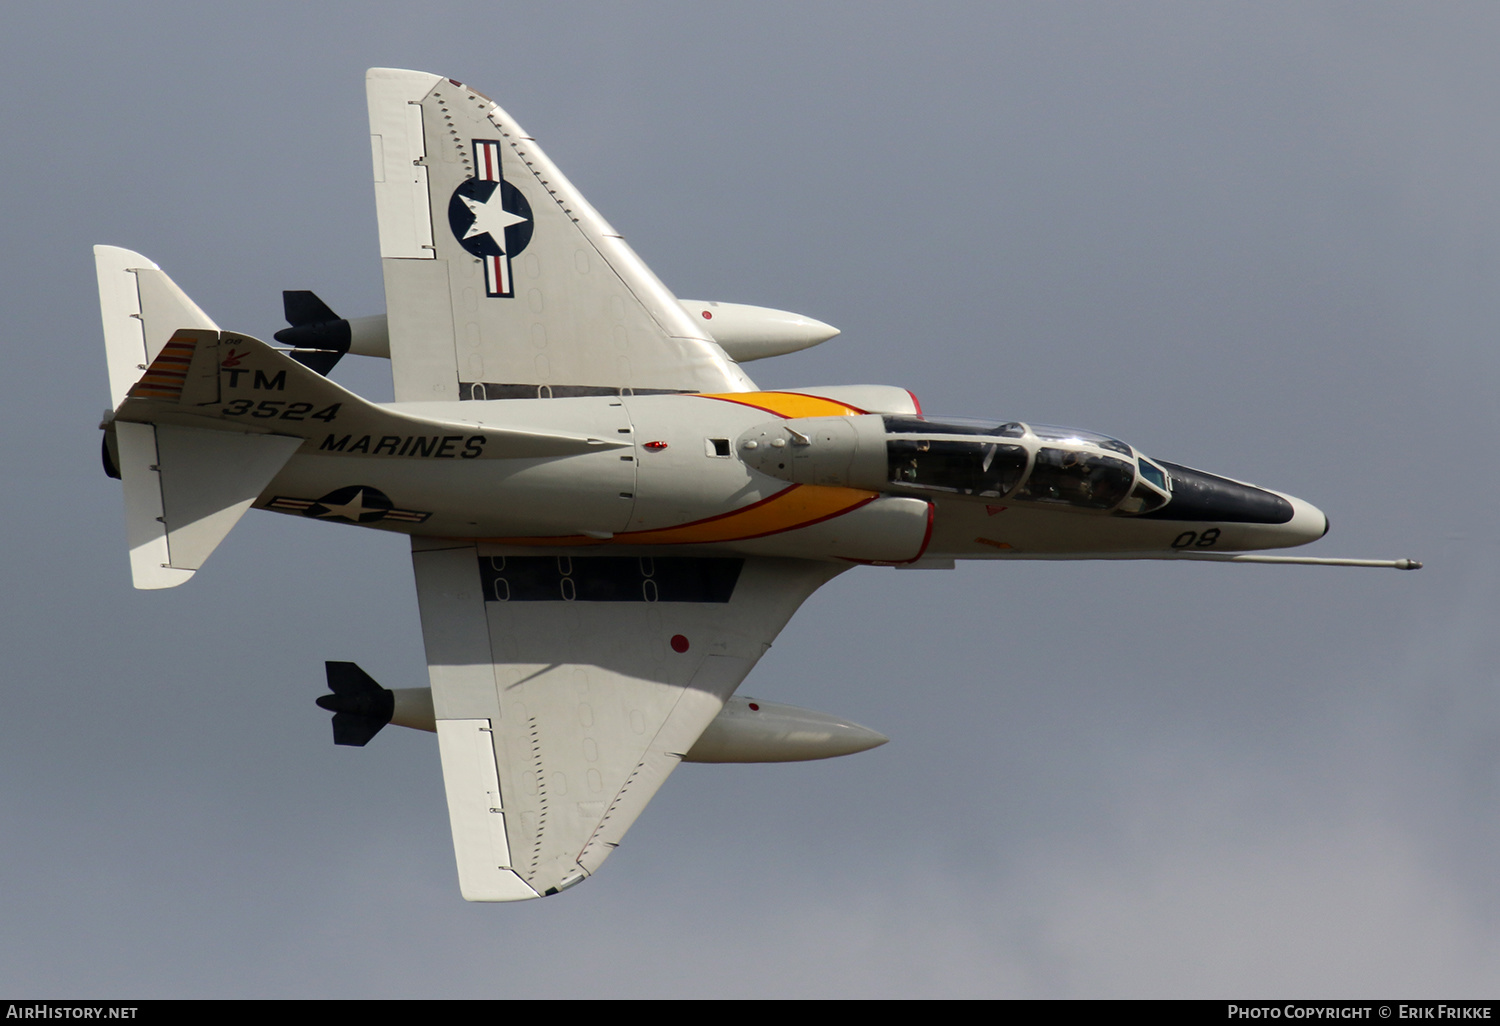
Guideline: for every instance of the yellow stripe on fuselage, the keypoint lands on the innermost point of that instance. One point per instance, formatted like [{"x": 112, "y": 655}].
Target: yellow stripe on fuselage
[
  {"x": 797, "y": 506},
  {"x": 789, "y": 404}
]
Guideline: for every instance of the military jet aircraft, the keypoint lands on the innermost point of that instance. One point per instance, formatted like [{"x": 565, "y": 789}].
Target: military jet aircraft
[{"x": 609, "y": 522}]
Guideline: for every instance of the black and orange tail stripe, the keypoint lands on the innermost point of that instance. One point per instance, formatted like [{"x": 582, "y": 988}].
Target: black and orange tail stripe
[{"x": 168, "y": 373}]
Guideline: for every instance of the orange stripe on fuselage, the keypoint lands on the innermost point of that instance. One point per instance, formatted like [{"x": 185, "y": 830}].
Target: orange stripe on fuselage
[
  {"x": 787, "y": 510},
  {"x": 788, "y": 404}
]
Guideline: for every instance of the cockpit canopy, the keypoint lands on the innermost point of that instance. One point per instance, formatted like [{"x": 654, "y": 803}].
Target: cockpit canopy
[{"x": 1029, "y": 463}]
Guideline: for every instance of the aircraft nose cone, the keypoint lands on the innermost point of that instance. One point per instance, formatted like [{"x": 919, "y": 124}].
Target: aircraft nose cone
[{"x": 1308, "y": 522}]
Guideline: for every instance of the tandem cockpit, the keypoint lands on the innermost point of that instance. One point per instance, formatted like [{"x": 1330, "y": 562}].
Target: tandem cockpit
[
  {"x": 1026, "y": 462},
  {"x": 1061, "y": 467}
]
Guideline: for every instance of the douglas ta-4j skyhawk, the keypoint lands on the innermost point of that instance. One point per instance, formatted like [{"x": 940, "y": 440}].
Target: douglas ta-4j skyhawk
[{"x": 609, "y": 523}]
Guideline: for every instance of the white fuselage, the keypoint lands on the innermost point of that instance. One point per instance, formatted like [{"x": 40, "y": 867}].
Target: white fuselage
[{"x": 737, "y": 472}]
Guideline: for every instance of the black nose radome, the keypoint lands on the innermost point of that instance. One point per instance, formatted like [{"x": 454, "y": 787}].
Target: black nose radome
[{"x": 1205, "y": 497}]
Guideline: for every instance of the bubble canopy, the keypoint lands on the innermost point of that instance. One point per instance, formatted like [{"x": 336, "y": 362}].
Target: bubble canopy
[
  {"x": 990, "y": 461},
  {"x": 1025, "y": 462}
]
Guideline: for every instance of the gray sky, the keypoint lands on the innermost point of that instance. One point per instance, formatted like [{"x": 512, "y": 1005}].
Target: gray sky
[{"x": 1262, "y": 239}]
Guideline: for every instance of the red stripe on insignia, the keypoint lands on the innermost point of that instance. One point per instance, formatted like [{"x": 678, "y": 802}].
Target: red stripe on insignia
[
  {"x": 486, "y": 161},
  {"x": 496, "y": 277}
]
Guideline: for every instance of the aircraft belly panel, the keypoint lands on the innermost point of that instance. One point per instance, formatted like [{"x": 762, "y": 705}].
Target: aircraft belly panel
[
  {"x": 687, "y": 470},
  {"x": 685, "y": 487}
]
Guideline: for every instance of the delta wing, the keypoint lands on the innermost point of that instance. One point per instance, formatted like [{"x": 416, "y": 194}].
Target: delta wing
[
  {"x": 567, "y": 688},
  {"x": 501, "y": 280}
]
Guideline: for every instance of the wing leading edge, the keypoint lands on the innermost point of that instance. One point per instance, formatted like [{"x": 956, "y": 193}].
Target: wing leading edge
[
  {"x": 498, "y": 273},
  {"x": 566, "y": 689}
]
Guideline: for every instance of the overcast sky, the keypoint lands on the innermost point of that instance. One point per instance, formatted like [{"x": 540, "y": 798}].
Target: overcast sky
[{"x": 1260, "y": 239}]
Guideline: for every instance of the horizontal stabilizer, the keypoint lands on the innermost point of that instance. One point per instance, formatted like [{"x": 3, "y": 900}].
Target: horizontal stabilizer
[{"x": 185, "y": 488}]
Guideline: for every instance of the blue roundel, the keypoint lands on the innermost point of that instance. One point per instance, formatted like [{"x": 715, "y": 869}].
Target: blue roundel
[{"x": 461, "y": 218}]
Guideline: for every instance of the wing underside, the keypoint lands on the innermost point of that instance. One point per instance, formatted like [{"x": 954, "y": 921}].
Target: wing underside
[
  {"x": 501, "y": 280},
  {"x": 567, "y": 688}
]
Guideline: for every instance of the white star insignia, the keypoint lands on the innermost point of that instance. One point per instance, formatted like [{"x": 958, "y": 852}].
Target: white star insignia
[
  {"x": 351, "y": 510},
  {"x": 490, "y": 218}
]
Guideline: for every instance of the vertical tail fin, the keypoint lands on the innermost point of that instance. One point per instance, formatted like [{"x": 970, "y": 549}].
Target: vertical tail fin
[
  {"x": 141, "y": 309},
  {"x": 185, "y": 487}
]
